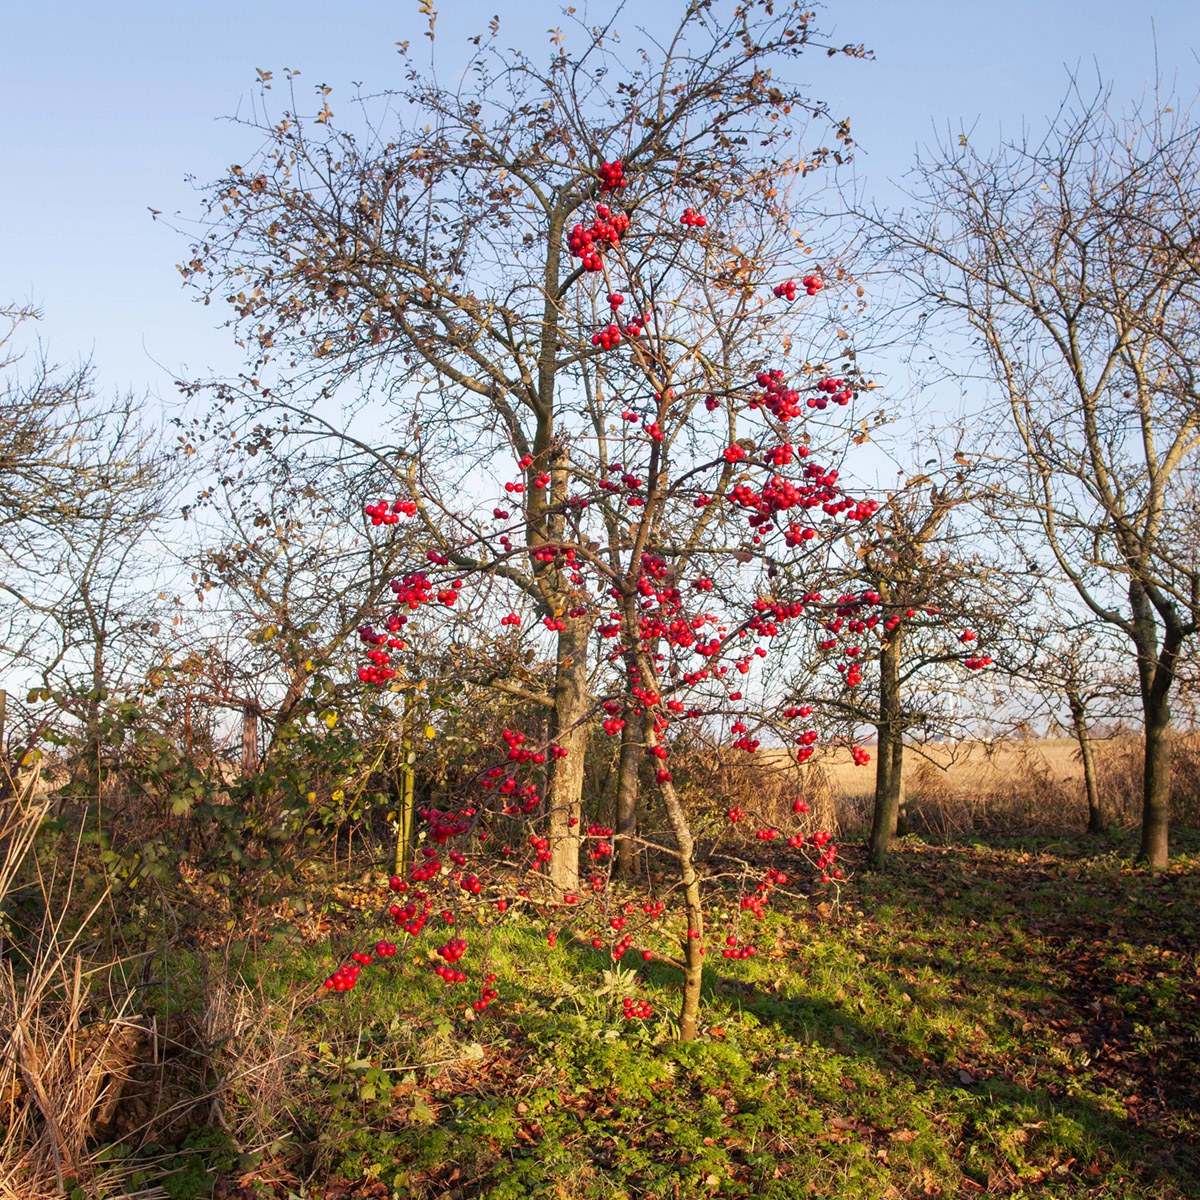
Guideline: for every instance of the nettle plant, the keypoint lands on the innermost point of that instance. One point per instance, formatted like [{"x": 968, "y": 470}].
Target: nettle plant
[{"x": 683, "y": 523}]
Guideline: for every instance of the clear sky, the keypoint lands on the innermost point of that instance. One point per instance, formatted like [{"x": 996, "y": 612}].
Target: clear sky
[{"x": 111, "y": 106}]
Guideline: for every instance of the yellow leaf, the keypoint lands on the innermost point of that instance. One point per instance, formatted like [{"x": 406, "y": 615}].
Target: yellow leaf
[{"x": 430, "y": 732}]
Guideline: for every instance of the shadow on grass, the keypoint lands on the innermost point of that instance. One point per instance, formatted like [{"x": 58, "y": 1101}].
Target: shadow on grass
[{"x": 1155, "y": 1139}]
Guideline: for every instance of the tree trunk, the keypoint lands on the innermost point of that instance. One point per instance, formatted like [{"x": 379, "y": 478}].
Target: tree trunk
[
  {"x": 1156, "y": 673},
  {"x": 1156, "y": 787},
  {"x": 404, "y": 814},
  {"x": 693, "y": 941},
  {"x": 883, "y": 768},
  {"x": 249, "y": 740},
  {"x": 887, "y": 776},
  {"x": 566, "y": 774},
  {"x": 627, "y": 796},
  {"x": 693, "y": 948},
  {"x": 900, "y": 826},
  {"x": 1096, "y": 823}
]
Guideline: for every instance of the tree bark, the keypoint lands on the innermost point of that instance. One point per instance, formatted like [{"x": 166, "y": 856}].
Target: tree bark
[
  {"x": 900, "y": 825},
  {"x": 1096, "y": 822},
  {"x": 249, "y": 740},
  {"x": 693, "y": 941},
  {"x": 1156, "y": 787},
  {"x": 632, "y": 737},
  {"x": 1156, "y": 673},
  {"x": 887, "y": 776},
  {"x": 883, "y": 767},
  {"x": 566, "y": 774},
  {"x": 693, "y": 948}
]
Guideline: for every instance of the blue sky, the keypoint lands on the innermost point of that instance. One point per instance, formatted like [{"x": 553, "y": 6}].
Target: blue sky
[{"x": 110, "y": 107}]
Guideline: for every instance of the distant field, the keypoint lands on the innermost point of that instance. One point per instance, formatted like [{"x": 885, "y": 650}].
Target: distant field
[
  {"x": 987, "y": 767},
  {"x": 1035, "y": 783}
]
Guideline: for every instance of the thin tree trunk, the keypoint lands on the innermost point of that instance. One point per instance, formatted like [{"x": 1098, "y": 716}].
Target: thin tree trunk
[
  {"x": 405, "y": 814},
  {"x": 887, "y": 778},
  {"x": 566, "y": 775},
  {"x": 883, "y": 767},
  {"x": 1156, "y": 787},
  {"x": 900, "y": 825},
  {"x": 1096, "y": 822},
  {"x": 1156, "y": 673},
  {"x": 693, "y": 941},
  {"x": 693, "y": 949},
  {"x": 249, "y": 740},
  {"x": 627, "y": 795}
]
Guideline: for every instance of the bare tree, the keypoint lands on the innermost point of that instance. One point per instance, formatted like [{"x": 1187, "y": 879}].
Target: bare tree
[
  {"x": 1077, "y": 672},
  {"x": 1074, "y": 261},
  {"x": 84, "y": 491}
]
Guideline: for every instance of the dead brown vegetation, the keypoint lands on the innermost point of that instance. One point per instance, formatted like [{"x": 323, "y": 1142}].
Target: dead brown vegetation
[{"x": 1010, "y": 786}]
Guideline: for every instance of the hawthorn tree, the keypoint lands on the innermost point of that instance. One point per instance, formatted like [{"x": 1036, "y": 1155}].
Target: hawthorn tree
[
  {"x": 687, "y": 523},
  {"x": 431, "y": 264},
  {"x": 1073, "y": 261},
  {"x": 933, "y": 602}
]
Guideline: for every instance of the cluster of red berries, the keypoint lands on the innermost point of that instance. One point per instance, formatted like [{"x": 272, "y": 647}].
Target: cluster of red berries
[
  {"x": 636, "y": 1009},
  {"x": 975, "y": 664},
  {"x": 343, "y": 979},
  {"x": 413, "y": 590},
  {"x": 693, "y": 218},
  {"x": 783, "y": 402},
  {"x": 612, "y": 176},
  {"x": 608, "y": 337},
  {"x": 379, "y": 514},
  {"x": 606, "y": 228},
  {"x": 813, "y": 284},
  {"x": 786, "y": 291},
  {"x": 602, "y": 848},
  {"x": 860, "y": 756},
  {"x": 453, "y": 950},
  {"x": 486, "y": 994},
  {"x": 831, "y": 389},
  {"x": 410, "y": 918},
  {"x": 733, "y": 950}
]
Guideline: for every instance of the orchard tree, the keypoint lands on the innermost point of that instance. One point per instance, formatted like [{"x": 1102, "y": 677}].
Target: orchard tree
[
  {"x": 1073, "y": 261},
  {"x": 84, "y": 493},
  {"x": 444, "y": 263},
  {"x": 1065, "y": 663},
  {"x": 919, "y": 600}
]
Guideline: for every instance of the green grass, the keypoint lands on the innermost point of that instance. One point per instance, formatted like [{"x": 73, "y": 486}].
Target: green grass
[{"x": 1018, "y": 1020}]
